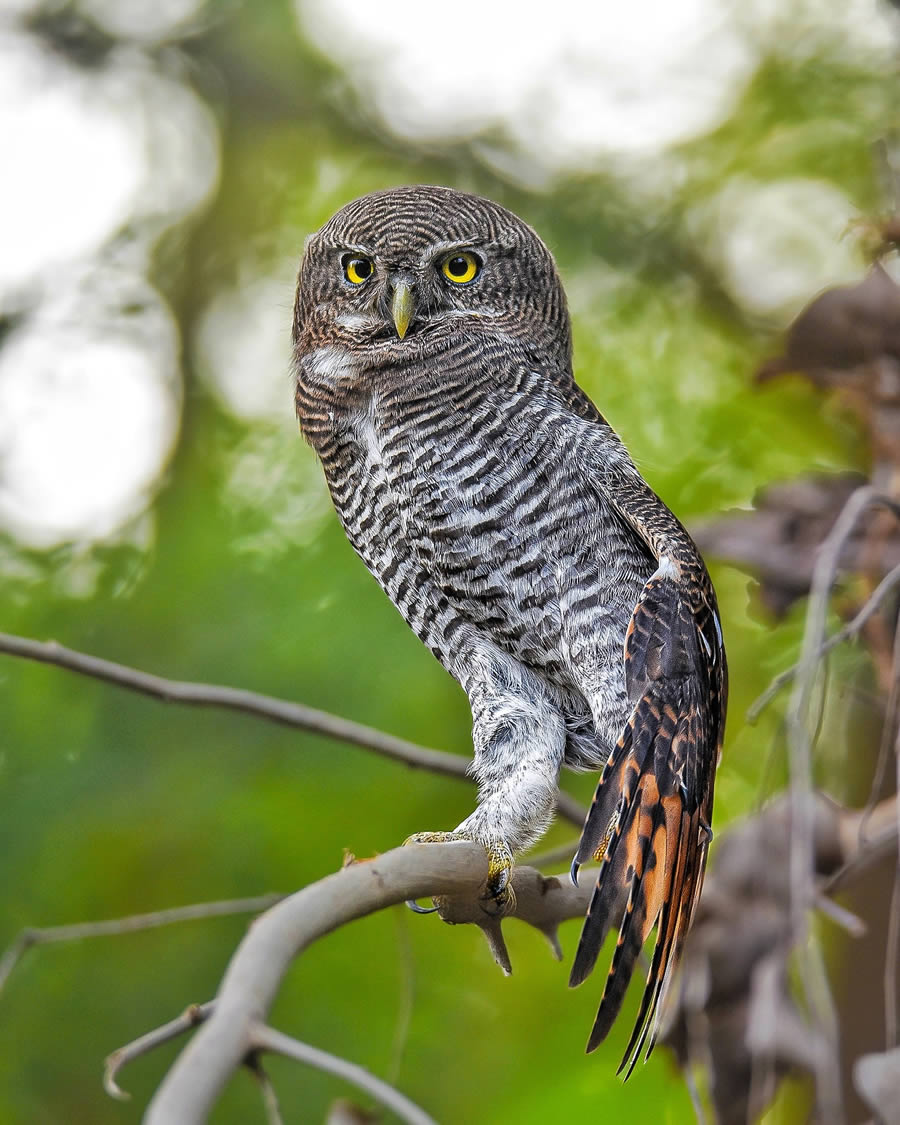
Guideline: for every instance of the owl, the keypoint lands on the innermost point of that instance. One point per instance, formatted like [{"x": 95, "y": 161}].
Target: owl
[{"x": 505, "y": 520}]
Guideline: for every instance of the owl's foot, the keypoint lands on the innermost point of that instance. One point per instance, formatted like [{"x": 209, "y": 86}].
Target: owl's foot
[{"x": 499, "y": 895}]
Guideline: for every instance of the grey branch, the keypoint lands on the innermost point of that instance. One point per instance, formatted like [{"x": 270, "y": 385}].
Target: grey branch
[
  {"x": 193, "y": 1015},
  {"x": 851, "y": 629},
  {"x": 267, "y": 1039},
  {"x": 269, "y": 1096},
  {"x": 801, "y": 739},
  {"x": 454, "y": 873},
  {"x": 130, "y": 924},
  {"x": 261, "y": 706}
]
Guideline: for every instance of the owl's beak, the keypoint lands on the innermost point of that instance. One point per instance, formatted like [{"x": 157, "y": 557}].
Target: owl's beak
[{"x": 403, "y": 305}]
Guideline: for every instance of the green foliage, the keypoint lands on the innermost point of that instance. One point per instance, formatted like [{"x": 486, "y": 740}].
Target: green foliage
[{"x": 115, "y": 804}]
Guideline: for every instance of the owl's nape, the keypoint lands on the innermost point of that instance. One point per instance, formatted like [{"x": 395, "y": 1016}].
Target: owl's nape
[{"x": 505, "y": 521}]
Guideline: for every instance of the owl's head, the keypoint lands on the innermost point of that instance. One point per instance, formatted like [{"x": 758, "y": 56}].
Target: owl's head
[{"x": 410, "y": 270}]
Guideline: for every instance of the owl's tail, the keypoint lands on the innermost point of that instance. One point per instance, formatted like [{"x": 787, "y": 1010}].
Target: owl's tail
[{"x": 648, "y": 825}]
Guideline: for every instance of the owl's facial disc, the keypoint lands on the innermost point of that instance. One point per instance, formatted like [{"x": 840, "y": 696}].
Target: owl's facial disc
[{"x": 388, "y": 293}]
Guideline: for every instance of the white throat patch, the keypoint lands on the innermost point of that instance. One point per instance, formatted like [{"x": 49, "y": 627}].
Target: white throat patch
[{"x": 332, "y": 364}]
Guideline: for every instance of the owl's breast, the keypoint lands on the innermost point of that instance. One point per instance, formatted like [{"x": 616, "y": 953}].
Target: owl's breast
[
  {"x": 483, "y": 517},
  {"x": 490, "y": 511}
]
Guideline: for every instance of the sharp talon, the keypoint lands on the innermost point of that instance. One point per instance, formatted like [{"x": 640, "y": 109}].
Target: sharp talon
[
  {"x": 496, "y": 889},
  {"x": 416, "y": 909},
  {"x": 573, "y": 871},
  {"x": 704, "y": 827}
]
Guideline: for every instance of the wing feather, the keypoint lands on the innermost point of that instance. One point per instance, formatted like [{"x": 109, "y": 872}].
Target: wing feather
[{"x": 649, "y": 821}]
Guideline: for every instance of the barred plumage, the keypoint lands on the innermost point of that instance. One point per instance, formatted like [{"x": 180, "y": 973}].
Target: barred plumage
[{"x": 504, "y": 519}]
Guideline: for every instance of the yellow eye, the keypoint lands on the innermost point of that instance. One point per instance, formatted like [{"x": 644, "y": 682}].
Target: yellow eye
[
  {"x": 357, "y": 269},
  {"x": 460, "y": 268}
]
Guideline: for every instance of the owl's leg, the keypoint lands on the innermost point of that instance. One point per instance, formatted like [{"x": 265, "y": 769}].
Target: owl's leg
[
  {"x": 519, "y": 737},
  {"x": 500, "y": 860}
]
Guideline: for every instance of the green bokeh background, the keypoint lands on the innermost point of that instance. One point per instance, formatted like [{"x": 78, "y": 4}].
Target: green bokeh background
[{"x": 115, "y": 804}]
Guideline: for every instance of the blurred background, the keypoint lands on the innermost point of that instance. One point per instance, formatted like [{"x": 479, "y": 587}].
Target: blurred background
[{"x": 695, "y": 168}]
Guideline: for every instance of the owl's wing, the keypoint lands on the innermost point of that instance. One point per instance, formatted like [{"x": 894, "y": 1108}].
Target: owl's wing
[{"x": 649, "y": 823}]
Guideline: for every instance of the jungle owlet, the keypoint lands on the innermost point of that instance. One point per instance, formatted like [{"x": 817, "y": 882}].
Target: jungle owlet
[{"x": 505, "y": 520}]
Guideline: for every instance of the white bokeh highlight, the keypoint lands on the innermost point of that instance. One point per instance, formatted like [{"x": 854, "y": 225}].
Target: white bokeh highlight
[
  {"x": 566, "y": 86},
  {"x": 71, "y": 167},
  {"x": 147, "y": 20},
  {"x": 97, "y": 163},
  {"x": 542, "y": 92},
  {"x": 84, "y": 152},
  {"x": 777, "y": 244},
  {"x": 242, "y": 348},
  {"x": 90, "y": 397},
  {"x": 242, "y": 352}
]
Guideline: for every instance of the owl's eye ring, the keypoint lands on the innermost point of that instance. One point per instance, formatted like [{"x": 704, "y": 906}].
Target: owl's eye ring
[
  {"x": 357, "y": 268},
  {"x": 461, "y": 267}
]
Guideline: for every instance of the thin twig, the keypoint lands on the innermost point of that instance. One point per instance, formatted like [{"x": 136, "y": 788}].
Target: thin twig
[
  {"x": 849, "y": 922},
  {"x": 267, "y": 1039},
  {"x": 254, "y": 975},
  {"x": 690, "y": 1080},
  {"x": 454, "y": 871},
  {"x": 407, "y": 993},
  {"x": 267, "y": 1090},
  {"x": 193, "y": 1015},
  {"x": 887, "y": 743},
  {"x": 812, "y": 969},
  {"x": 130, "y": 924},
  {"x": 846, "y": 632},
  {"x": 236, "y": 699},
  {"x": 798, "y": 708},
  {"x": 892, "y": 946},
  {"x": 570, "y": 809},
  {"x": 866, "y": 836},
  {"x": 268, "y": 707}
]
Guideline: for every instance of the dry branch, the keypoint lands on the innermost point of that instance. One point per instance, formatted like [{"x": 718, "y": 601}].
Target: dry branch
[
  {"x": 132, "y": 923},
  {"x": 801, "y": 741},
  {"x": 193, "y": 1015},
  {"x": 261, "y": 706},
  {"x": 455, "y": 873},
  {"x": 734, "y": 1011},
  {"x": 852, "y": 629},
  {"x": 267, "y": 1039}
]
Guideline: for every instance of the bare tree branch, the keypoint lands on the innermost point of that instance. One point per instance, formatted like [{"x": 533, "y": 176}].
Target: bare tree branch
[
  {"x": 866, "y": 836},
  {"x": 193, "y": 1015},
  {"x": 267, "y": 1039},
  {"x": 851, "y": 629},
  {"x": 268, "y": 707},
  {"x": 801, "y": 739},
  {"x": 269, "y": 1096},
  {"x": 455, "y": 873},
  {"x": 130, "y": 924},
  {"x": 236, "y": 699},
  {"x": 892, "y": 954}
]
